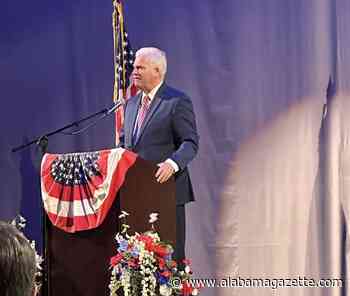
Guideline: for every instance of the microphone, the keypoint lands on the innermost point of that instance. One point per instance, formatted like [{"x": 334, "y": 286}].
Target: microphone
[{"x": 115, "y": 107}]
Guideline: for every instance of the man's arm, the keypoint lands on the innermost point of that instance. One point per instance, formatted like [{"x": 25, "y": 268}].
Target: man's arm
[{"x": 185, "y": 132}]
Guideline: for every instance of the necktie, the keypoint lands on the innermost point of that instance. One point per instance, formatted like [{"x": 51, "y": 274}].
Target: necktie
[{"x": 142, "y": 114}]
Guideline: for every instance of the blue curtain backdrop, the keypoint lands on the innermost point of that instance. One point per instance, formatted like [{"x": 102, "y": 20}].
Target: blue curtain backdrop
[{"x": 270, "y": 85}]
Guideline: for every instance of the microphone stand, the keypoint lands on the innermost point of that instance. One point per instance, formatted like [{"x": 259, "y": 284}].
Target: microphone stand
[
  {"x": 45, "y": 137},
  {"x": 43, "y": 142}
]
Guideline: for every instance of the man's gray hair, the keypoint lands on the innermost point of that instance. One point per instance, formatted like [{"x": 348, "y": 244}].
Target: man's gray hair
[{"x": 156, "y": 56}]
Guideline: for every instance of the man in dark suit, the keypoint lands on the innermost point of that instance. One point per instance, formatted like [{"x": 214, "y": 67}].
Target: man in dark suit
[{"x": 160, "y": 126}]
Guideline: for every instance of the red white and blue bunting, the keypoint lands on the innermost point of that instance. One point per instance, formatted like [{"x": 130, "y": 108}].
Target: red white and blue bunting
[{"x": 78, "y": 189}]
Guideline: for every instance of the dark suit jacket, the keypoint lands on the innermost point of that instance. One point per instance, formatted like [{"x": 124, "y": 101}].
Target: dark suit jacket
[{"x": 169, "y": 131}]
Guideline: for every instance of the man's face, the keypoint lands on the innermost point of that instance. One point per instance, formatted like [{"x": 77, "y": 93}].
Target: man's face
[{"x": 146, "y": 74}]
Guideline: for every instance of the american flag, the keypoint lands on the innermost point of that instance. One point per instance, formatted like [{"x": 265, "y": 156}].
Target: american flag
[
  {"x": 123, "y": 66},
  {"x": 78, "y": 189}
]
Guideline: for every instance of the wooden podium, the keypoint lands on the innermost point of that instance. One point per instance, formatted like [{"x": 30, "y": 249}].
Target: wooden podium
[{"x": 78, "y": 262}]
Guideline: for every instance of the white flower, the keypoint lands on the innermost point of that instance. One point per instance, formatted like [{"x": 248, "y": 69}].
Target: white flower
[
  {"x": 19, "y": 222},
  {"x": 164, "y": 290},
  {"x": 123, "y": 215},
  {"x": 195, "y": 292},
  {"x": 153, "y": 235},
  {"x": 38, "y": 259},
  {"x": 187, "y": 269},
  {"x": 153, "y": 217}
]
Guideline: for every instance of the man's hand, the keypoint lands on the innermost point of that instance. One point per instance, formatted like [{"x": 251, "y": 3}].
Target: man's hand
[{"x": 164, "y": 172}]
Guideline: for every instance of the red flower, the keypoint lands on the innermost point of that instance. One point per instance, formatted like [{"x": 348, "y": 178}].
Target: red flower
[
  {"x": 186, "y": 289},
  {"x": 173, "y": 264},
  {"x": 132, "y": 263},
  {"x": 116, "y": 259},
  {"x": 159, "y": 250},
  {"x": 147, "y": 240},
  {"x": 161, "y": 263},
  {"x": 166, "y": 273}
]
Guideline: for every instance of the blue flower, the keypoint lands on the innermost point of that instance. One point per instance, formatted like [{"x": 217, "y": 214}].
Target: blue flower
[
  {"x": 162, "y": 280},
  {"x": 123, "y": 246},
  {"x": 168, "y": 257},
  {"x": 135, "y": 252}
]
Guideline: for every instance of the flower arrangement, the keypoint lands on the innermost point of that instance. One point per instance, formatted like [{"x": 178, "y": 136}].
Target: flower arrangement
[{"x": 144, "y": 266}]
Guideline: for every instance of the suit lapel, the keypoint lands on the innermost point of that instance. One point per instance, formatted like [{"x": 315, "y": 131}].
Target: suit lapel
[
  {"x": 133, "y": 110},
  {"x": 152, "y": 110}
]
